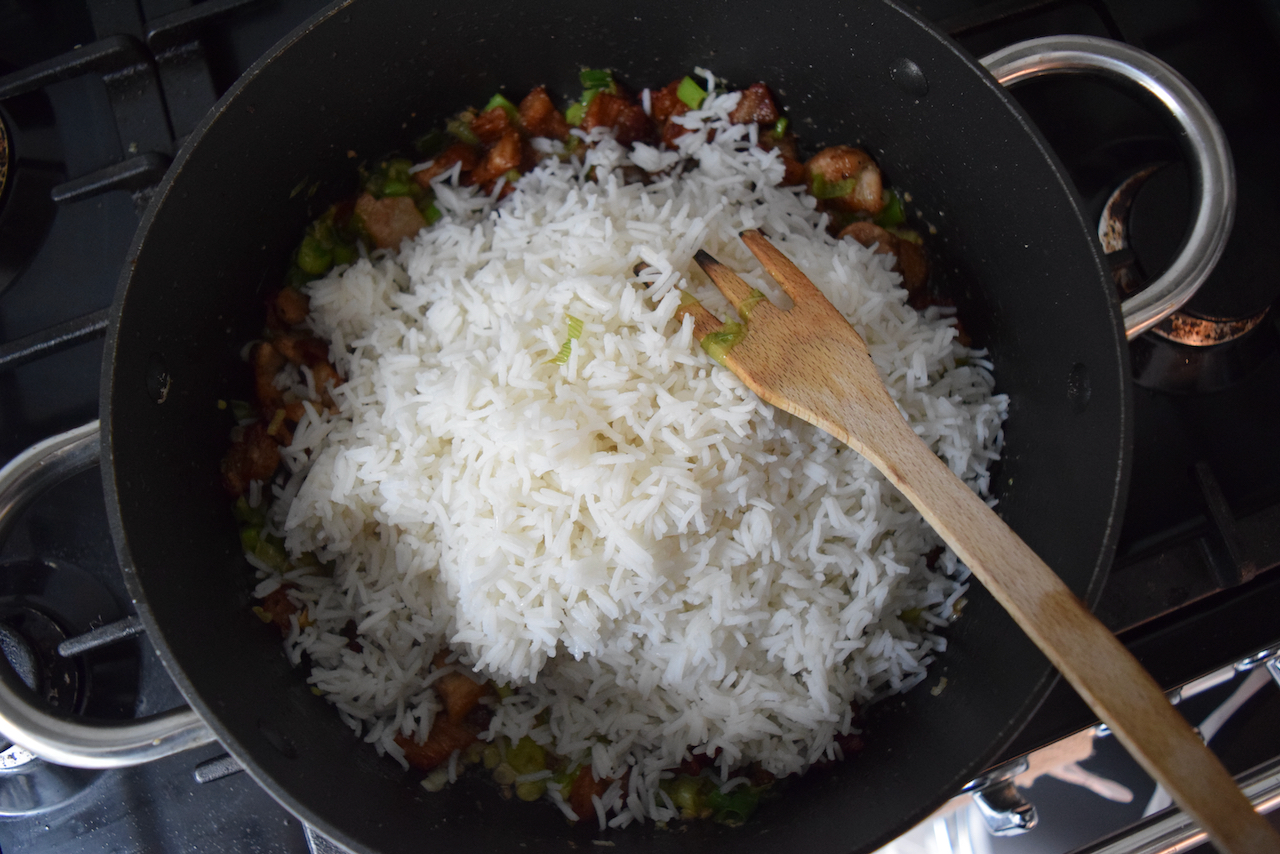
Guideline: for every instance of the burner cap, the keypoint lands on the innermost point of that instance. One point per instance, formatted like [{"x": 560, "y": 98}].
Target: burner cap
[{"x": 1243, "y": 284}]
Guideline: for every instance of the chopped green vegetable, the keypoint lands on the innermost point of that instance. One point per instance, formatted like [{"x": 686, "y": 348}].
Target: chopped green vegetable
[
  {"x": 265, "y": 547},
  {"x": 752, "y": 300},
  {"x": 733, "y": 807},
  {"x": 392, "y": 178},
  {"x": 575, "y": 332},
  {"x": 718, "y": 344},
  {"x": 780, "y": 126},
  {"x": 432, "y": 214},
  {"x": 821, "y": 188},
  {"x": 431, "y": 143},
  {"x": 691, "y": 93},
  {"x": 574, "y": 114},
  {"x": 597, "y": 78},
  {"x": 343, "y": 253},
  {"x": 892, "y": 214},
  {"x": 249, "y": 539},
  {"x": 912, "y": 616},
  {"x": 460, "y": 127},
  {"x": 491, "y": 756},
  {"x": 498, "y": 100},
  {"x": 906, "y": 234},
  {"x": 512, "y": 175},
  {"x": 313, "y": 256},
  {"x": 689, "y": 794},
  {"x": 244, "y": 513},
  {"x": 531, "y": 790},
  {"x": 526, "y": 756}
]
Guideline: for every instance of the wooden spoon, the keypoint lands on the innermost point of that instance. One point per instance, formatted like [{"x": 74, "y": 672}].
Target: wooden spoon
[{"x": 810, "y": 362}]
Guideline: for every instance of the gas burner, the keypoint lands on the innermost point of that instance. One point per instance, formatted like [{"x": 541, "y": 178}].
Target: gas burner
[
  {"x": 29, "y": 639},
  {"x": 30, "y": 167},
  {"x": 1220, "y": 335}
]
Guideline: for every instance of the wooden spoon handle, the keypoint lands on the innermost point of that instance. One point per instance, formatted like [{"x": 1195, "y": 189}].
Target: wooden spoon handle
[{"x": 1096, "y": 664}]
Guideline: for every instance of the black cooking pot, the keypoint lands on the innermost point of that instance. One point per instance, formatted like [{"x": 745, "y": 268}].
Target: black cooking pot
[{"x": 1012, "y": 249}]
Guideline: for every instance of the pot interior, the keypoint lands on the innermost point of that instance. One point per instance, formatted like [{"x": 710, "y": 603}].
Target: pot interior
[{"x": 368, "y": 77}]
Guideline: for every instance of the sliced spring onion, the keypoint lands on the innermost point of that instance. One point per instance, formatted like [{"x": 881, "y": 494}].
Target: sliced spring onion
[
  {"x": 691, "y": 93},
  {"x": 431, "y": 143},
  {"x": 527, "y": 756},
  {"x": 912, "y": 616},
  {"x": 821, "y": 188},
  {"x": 780, "y": 127},
  {"x": 893, "y": 213},
  {"x": 313, "y": 256},
  {"x": 249, "y": 536},
  {"x": 344, "y": 253},
  {"x": 432, "y": 214},
  {"x": 744, "y": 310},
  {"x": 573, "y": 115},
  {"x": 718, "y": 344},
  {"x": 461, "y": 130},
  {"x": 907, "y": 234},
  {"x": 498, "y": 100},
  {"x": 733, "y": 807},
  {"x": 597, "y": 78},
  {"x": 687, "y": 793},
  {"x": 575, "y": 332},
  {"x": 512, "y": 175}
]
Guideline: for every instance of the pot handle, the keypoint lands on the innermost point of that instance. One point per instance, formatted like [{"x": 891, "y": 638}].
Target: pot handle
[
  {"x": 24, "y": 720},
  {"x": 1200, "y": 135}
]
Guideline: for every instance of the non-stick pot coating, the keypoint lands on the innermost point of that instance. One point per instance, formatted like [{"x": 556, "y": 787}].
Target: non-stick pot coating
[{"x": 368, "y": 77}]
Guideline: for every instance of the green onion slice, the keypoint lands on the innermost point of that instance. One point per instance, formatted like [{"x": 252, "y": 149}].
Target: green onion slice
[
  {"x": 498, "y": 100},
  {"x": 892, "y": 214},
  {"x": 597, "y": 78},
  {"x": 691, "y": 93},
  {"x": 575, "y": 332},
  {"x": 718, "y": 344},
  {"x": 744, "y": 310},
  {"x": 573, "y": 115},
  {"x": 461, "y": 130},
  {"x": 780, "y": 127},
  {"x": 821, "y": 188}
]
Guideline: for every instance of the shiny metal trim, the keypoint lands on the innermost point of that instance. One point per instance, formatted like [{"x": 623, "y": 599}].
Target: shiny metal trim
[
  {"x": 318, "y": 843},
  {"x": 1003, "y": 809},
  {"x": 1201, "y": 137},
  {"x": 1177, "y": 832},
  {"x": 66, "y": 740}
]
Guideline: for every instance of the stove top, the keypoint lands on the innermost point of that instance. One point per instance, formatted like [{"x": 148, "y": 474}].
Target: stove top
[{"x": 96, "y": 97}]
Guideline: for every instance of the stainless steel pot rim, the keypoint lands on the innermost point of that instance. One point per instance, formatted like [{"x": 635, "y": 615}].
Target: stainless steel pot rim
[{"x": 1202, "y": 139}]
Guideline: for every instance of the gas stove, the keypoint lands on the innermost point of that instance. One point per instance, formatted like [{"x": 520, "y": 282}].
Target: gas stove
[{"x": 97, "y": 96}]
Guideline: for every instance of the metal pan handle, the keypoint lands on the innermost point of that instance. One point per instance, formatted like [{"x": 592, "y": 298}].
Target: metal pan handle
[
  {"x": 24, "y": 720},
  {"x": 1200, "y": 135}
]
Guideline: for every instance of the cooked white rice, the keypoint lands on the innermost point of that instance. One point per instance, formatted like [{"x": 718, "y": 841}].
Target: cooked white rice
[{"x": 655, "y": 558}]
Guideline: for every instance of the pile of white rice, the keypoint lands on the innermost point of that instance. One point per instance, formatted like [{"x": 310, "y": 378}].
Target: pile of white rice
[{"x": 655, "y": 559}]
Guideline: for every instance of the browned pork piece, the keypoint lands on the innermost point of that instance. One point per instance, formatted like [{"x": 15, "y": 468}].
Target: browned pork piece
[
  {"x": 539, "y": 116},
  {"x": 846, "y": 179},
  {"x": 390, "y": 219},
  {"x": 912, "y": 263}
]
